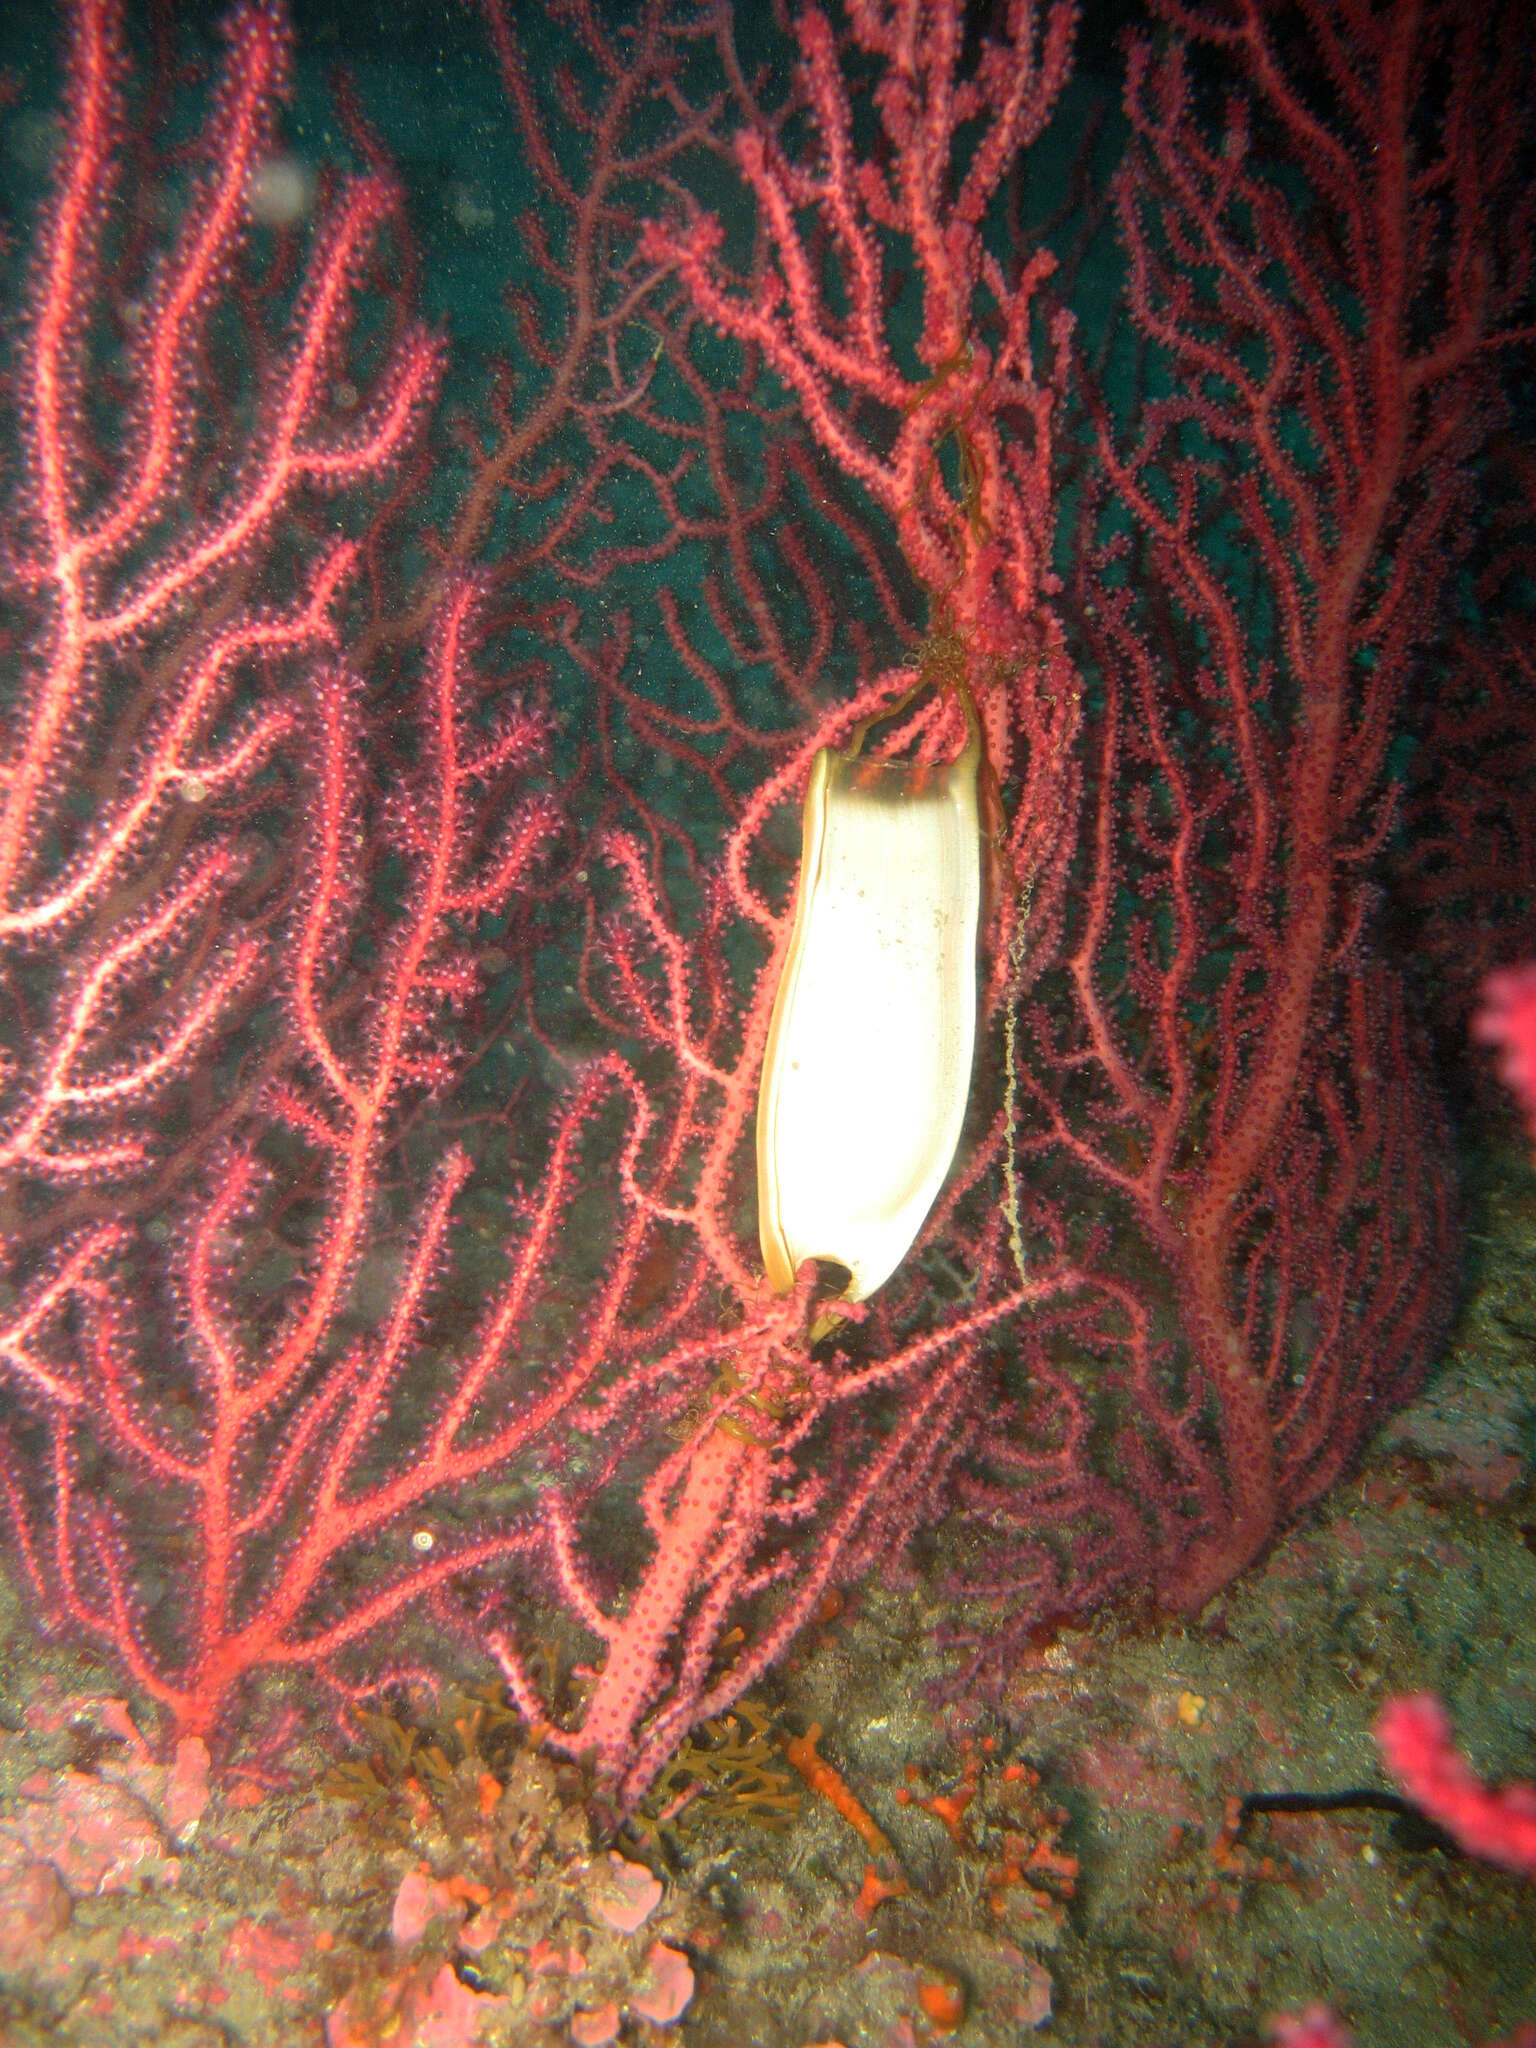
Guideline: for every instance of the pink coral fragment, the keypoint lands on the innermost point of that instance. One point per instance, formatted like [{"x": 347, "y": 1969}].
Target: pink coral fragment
[
  {"x": 625, "y": 1894},
  {"x": 1497, "y": 1823},
  {"x": 34, "y": 1907},
  {"x": 416, "y": 2012},
  {"x": 177, "y": 1792},
  {"x": 1507, "y": 1021},
  {"x": 1314, "y": 2028},
  {"x": 269, "y": 1954},
  {"x": 97, "y": 1836},
  {"x": 664, "y": 1991},
  {"x": 419, "y": 1901},
  {"x": 595, "y": 2029}
]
